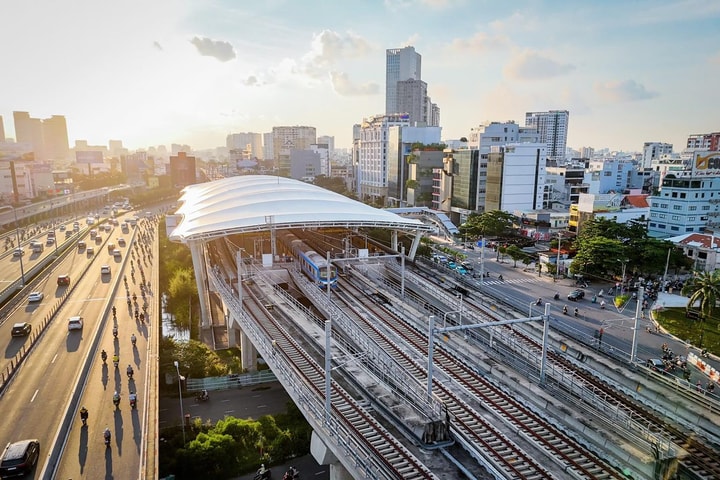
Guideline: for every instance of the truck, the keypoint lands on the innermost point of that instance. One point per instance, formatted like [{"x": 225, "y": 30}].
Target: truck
[{"x": 37, "y": 247}]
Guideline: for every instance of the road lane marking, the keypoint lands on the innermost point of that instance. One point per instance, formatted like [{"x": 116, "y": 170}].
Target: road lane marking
[
  {"x": 34, "y": 395},
  {"x": 54, "y": 358}
]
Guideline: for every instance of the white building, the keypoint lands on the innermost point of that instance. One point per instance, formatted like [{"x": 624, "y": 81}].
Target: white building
[
  {"x": 553, "y": 129},
  {"x": 515, "y": 177},
  {"x": 323, "y": 153},
  {"x": 286, "y": 139},
  {"x": 372, "y": 168},
  {"x": 653, "y": 151}
]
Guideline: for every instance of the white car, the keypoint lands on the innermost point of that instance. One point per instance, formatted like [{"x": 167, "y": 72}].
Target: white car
[
  {"x": 36, "y": 297},
  {"x": 105, "y": 270},
  {"x": 75, "y": 323},
  {"x": 18, "y": 252}
]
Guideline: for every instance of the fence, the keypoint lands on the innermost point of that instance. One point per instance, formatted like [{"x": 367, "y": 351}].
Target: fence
[{"x": 230, "y": 381}]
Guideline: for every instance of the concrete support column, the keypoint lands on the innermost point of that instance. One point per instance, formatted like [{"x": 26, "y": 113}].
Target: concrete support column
[
  {"x": 324, "y": 456},
  {"x": 199, "y": 265},
  {"x": 394, "y": 240},
  {"x": 248, "y": 354}
]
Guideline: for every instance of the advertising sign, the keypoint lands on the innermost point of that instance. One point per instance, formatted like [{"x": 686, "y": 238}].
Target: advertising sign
[
  {"x": 89, "y": 157},
  {"x": 706, "y": 164}
]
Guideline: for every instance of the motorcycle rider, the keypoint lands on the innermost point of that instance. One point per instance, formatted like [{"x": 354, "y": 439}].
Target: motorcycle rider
[
  {"x": 538, "y": 301},
  {"x": 116, "y": 360},
  {"x": 115, "y": 331},
  {"x": 130, "y": 371},
  {"x": 103, "y": 355},
  {"x": 556, "y": 296},
  {"x": 576, "y": 311},
  {"x": 84, "y": 415},
  {"x": 116, "y": 398},
  {"x": 133, "y": 339},
  {"x": 133, "y": 399},
  {"x": 565, "y": 309},
  {"x": 602, "y": 304},
  {"x": 106, "y": 436},
  {"x": 114, "y": 310}
]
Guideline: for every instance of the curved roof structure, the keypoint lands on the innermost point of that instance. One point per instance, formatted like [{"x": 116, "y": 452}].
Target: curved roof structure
[{"x": 254, "y": 203}]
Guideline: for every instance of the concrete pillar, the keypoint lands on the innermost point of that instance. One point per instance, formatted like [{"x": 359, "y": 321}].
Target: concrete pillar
[
  {"x": 324, "y": 456},
  {"x": 199, "y": 265},
  {"x": 248, "y": 354}
]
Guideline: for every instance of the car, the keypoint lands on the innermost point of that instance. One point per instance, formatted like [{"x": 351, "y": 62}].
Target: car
[
  {"x": 576, "y": 295},
  {"x": 21, "y": 329},
  {"x": 98, "y": 240},
  {"x": 62, "y": 228},
  {"x": 90, "y": 251},
  {"x": 50, "y": 241},
  {"x": 121, "y": 241},
  {"x": 656, "y": 365},
  {"x": 461, "y": 270},
  {"x": 19, "y": 458},
  {"x": 68, "y": 234},
  {"x": 467, "y": 265},
  {"x": 36, "y": 297},
  {"x": 117, "y": 253},
  {"x": 75, "y": 323},
  {"x": 105, "y": 270},
  {"x": 18, "y": 252},
  {"x": 63, "y": 280}
]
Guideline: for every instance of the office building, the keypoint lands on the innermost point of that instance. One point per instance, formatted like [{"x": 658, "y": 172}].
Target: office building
[
  {"x": 515, "y": 177},
  {"x": 654, "y": 150},
  {"x": 709, "y": 142},
  {"x": 48, "y": 137},
  {"x": 412, "y": 99},
  {"x": 552, "y": 126},
  {"x": 285, "y": 139},
  {"x": 400, "y": 64},
  {"x": 246, "y": 141},
  {"x": 182, "y": 170},
  {"x": 410, "y": 146},
  {"x": 372, "y": 167}
]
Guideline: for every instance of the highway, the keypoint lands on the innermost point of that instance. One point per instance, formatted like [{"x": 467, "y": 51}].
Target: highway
[{"x": 55, "y": 378}]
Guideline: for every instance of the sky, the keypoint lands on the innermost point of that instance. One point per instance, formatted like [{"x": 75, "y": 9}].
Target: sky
[{"x": 193, "y": 71}]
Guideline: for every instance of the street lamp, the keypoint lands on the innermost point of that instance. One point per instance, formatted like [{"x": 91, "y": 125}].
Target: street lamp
[
  {"x": 622, "y": 282},
  {"x": 182, "y": 414},
  {"x": 17, "y": 233}
]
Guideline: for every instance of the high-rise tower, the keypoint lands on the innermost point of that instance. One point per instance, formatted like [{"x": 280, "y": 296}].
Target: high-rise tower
[
  {"x": 401, "y": 64},
  {"x": 552, "y": 127}
]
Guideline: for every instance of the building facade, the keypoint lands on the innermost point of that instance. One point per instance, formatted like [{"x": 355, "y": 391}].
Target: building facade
[
  {"x": 552, "y": 126},
  {"x": 182, "y": 170},
  {"x": 654, "y": 150},
  {"x": 400, "y": 64},
  {"x": 372, "y": 168},
  {"x": 709, "y": 142},
  {"x": 253, "y": 142},
  {"x": 401, "y": 140},
  {"x": 515, "y": 177},
  {"x": 684, "y": 204},
  {"x": 285, "y": 139}
]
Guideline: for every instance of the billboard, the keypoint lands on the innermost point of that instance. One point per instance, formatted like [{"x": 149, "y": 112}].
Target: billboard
[
  {"x": 706, "y": 164},
  {"x": 89, "y": 157}
]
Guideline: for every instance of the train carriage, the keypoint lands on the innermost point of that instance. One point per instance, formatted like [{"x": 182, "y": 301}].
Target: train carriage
[{"x": 314, "y": 265}]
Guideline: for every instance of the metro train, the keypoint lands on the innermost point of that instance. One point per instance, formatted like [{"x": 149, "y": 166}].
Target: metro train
[{"x": 313, "y": 264}]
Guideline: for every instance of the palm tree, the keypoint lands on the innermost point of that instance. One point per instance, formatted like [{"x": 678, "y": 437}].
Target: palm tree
[{"x": 704, "y": 287}]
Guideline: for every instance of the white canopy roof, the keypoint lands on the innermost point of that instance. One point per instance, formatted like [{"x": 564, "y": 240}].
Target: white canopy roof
[{"x": 252, "y": 203}]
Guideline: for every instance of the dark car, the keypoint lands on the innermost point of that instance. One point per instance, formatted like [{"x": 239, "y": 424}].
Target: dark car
[
  {"x": 19, "y": 458},
  {"x": 63, "y": 280},
  {"x": 656, "y": 364},
  {"x": 576, "y": 295},
  {"x": 21, "y": 329}
]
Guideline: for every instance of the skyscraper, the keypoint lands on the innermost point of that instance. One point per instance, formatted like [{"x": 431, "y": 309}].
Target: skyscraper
[
  {"x": 552, "y": 127},
  {"x": 49, "y": 138},
  {"x": 401, "y": 64},
  {"x": 240, "y": 141}
]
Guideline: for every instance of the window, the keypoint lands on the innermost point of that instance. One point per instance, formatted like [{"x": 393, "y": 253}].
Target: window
[
  {"x": 654, "y": 204},
  {"x": 691, "y": 219},
  {"x": 663, "y": 205},
  {"x": 692, "y": 208},
  {"x": 674, "y": 194},
  {"x": 662, "y": 215},
  {"x": 674, "y": 229},
  {"x": 706, "y": 207},
  {"x": 689, "y": 229},
  {"x": 653, "y": 224},
  {"x": 662, "y": 225},
  {"x": 677, "y": 207},
  {"x": 683, "y": 195},
  {"x": 675, "y": 217}
]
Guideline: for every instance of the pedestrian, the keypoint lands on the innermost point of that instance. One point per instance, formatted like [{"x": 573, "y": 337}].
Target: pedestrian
[
  {"x": 710, "y": 386},
  {"x": 698, "y": 386}
]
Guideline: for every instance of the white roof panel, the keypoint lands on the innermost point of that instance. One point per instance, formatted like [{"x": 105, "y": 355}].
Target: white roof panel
[{"x": 252, "y": 203}]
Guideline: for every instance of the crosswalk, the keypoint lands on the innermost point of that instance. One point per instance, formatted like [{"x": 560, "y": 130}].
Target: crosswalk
[{"x": 495, "y": 281}]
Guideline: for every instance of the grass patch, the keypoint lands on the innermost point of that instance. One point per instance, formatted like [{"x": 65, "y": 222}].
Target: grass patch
[{"x": 701, "y": 334}]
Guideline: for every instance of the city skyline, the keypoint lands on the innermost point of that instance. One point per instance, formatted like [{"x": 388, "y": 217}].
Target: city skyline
[{"x": 192, "y": 72}]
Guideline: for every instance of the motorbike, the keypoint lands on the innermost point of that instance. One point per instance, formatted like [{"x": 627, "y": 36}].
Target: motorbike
[
  {"x": 292, "y": 474},
  {"x": 103, "y": 355},
  {"x": 262, "y": 474},
  {"x": 106, "y": 436},
  {"x": 202, "y": 396},
  {"x": 565, "y": 310},
  {"x": 500, "y": 277},
  {"x": 576, "y": 311},
  {"x": 133, "y": 339},
  {"x": 116, "y": 401},
  {"x": 556, "y": 296},
  {"x": 115, "y": 332},
  {"x": 602, "y": 305},
  {"x": 538, "y": 301},
  {"x": 130, "y": 373},
  {"x": 133, "y": 402},
  {"x": 84, "y": 417},
  {"x": 115, "y": 362}
]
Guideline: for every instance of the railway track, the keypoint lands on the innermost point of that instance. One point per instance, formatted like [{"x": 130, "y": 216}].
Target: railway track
[
  {"x": 701, "y": 460},
  {"x": 391, "y": 455},
  {"x": 564, "y": 451}
]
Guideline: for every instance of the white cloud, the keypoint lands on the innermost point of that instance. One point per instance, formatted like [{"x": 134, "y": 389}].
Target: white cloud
[
  {"x": 344, "y": 86},
  {"x": 395, "y": 5},
  {"x": 625, "y": 91},
  {"x": 328, "y": 47},
  {"x": 411, "y": 40},
  {"x": 530, "y": 65},
  {"x": 219, "y": 49},
  {"x": 479, "y": 42}
]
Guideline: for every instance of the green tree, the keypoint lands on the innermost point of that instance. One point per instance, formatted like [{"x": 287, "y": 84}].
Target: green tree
[
  {"x": 703, "y": 288},
  {"x": 515, "y": 253},
  {"x": 495, "y": 223},
  {"x": 598, "y": 256},
  {"x": 197, "y": 360},
  {"x": 211, "y": 454},
  {"x": 182, "y": 294}
]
